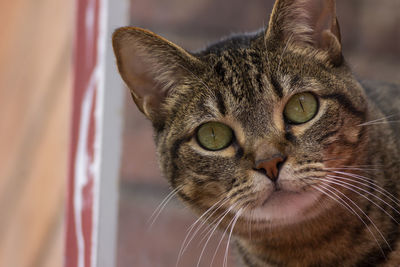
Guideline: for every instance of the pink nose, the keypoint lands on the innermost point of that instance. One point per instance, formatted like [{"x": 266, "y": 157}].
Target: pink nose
[{"x": 270, "y": 166}]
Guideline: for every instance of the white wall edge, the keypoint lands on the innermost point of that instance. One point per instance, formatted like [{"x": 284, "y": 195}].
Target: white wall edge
[{"x": 113, "y": 14}]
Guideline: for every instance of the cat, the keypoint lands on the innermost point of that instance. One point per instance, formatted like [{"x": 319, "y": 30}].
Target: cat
[{"x": 270, "y": 137}]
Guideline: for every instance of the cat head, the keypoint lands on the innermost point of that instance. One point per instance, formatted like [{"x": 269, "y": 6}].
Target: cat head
[{"x": 252, "y": 124}]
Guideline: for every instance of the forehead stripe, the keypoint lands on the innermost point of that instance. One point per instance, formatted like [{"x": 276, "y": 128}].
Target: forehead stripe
[
  {"x": 220, "y": 103},
  {"x": 276, "y": 86}
]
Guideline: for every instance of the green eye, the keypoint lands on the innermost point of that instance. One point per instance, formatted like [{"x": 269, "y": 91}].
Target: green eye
[
  {"x": 301, "y": 108},
  {"x": 214, "y": 136}
]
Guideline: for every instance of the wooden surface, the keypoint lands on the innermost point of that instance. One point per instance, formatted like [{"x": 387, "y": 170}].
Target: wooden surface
[{"x": 35, "y": 82}]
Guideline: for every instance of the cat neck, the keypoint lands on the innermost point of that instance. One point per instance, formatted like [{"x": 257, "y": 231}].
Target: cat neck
[{"x": 303, "y": 244}]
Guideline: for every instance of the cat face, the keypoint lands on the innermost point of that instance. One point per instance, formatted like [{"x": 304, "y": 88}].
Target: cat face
[
  {"x": 247, "y": 129},
  {"x": 254, "y": 111}
]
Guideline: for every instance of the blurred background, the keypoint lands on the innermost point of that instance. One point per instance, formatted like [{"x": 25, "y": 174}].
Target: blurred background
[{"x": 35, "y": 107}]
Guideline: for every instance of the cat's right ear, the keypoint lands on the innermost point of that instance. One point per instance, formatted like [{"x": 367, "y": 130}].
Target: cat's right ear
[{"x": 151, "y": 66}]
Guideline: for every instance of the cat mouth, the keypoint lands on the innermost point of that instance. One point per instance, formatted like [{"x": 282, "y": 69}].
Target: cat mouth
[
  {"x": 278, "y": 194},
  {"x": 285, "y": 205}
]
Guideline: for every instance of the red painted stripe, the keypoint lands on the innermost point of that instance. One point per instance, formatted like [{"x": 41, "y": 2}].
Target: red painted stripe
[{"x": 85, "y": 60}]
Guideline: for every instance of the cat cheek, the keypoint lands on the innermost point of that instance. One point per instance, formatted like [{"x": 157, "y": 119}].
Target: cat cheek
[
  {"x": 352, "y": 134},
  {"x": 214, "y": 189}
]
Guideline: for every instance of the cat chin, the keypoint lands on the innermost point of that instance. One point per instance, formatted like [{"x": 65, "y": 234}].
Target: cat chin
[{"x": 286, "y": 207}]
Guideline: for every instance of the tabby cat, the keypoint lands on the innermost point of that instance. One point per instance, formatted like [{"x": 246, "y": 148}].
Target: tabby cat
[{"x": 270, "y": 138}]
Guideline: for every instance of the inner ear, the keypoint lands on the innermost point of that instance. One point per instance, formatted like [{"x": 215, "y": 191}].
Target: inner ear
[{"x": 142, "y": 75}]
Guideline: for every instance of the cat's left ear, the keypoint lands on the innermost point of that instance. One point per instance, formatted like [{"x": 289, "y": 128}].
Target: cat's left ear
[{"x": 310, "y": 23}]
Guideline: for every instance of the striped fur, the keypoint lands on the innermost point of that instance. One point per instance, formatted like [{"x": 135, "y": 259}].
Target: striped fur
[{"x": 341, "y": 168}]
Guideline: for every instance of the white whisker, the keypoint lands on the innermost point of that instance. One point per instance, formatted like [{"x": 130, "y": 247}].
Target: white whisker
[
  {"x": 204, "y": 222},
  {"x": 190, "y": 229},
  {"x": 209, "y": 228},
  {"x": 162, "y": 205},
  {"x": 354, "y": 212},
  {"x": 380, "y": 120},
  {"x": 229, "y": 238},
  {"x": 372, "y": 182},
  {"x": 220, "y": 241},
  {"x": 343, "y": 184},
  {"x": 212, "y": 232},
  {"x": 369, "y": 219}
]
